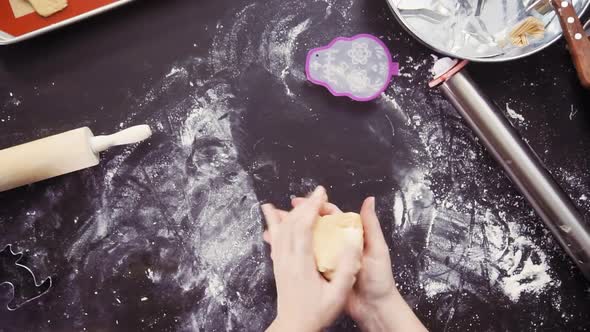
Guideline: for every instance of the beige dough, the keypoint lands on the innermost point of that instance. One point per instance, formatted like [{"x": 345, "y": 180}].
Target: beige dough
[
  {"x": 334, "y": 234},
  {"x": 20, "y": 8},
  {"x": 48, "y": 7}
]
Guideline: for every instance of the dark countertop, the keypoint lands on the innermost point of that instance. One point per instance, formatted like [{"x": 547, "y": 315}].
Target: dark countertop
[{"x": 166, "y": 235}]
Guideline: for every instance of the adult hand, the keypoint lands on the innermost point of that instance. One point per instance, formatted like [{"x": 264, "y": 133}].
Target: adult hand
[
  {"x": 305, "y": 300},
  {"x": 375, "y": 303}
]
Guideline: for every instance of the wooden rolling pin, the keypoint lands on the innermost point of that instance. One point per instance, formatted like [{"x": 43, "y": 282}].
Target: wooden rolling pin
[{"x": 60, "y": 154}]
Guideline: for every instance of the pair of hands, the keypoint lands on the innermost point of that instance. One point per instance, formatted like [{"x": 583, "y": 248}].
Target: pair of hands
[{"x": 306, "y": 301}]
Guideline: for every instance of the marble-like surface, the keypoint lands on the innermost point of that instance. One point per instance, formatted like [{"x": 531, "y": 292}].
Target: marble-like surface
[{"x": 166, "y": 235}]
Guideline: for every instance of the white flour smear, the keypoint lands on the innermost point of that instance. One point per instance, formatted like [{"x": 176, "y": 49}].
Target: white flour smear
[
  {"x": 274, "y": 50},
  {"x": 188, "y": 201},
  {"x": 470, "y": 245},
  {"x": 278, "y": 47},
  {"x": 183, "y": 200},
  {"x": 178, "y": 214},
  {"x": 474, "y": 241},
  {"x": 281, "y": 49},
  {"x": 512, "y": 114},
  {"x": 342, "y": 7}
]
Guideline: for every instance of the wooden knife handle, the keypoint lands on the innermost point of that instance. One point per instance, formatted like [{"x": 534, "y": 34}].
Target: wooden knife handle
[{"x": 576, "y": 37}]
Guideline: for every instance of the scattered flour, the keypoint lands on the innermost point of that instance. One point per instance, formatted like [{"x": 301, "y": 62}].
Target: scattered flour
[
  {"x": 455, "y": 250},
  {"x": 470, "y": 244},
  {"x": 153, "y": 276},
  {"x": 513, "y": 114},
  {"x": 533, "y": 279},
  {"x": 174, "y": 71},
  {"x": 573, "y": 112},
  {"x": 285, "y": 50},
  {"x": 183, "y": 201}
]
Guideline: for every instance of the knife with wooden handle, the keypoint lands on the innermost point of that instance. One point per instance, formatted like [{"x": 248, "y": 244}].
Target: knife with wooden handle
[{"x": 577, "y": 39}]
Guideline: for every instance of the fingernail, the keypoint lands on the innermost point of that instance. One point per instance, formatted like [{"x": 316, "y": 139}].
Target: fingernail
[
  {"x": 318, "y": 192},
  {"x": 372, "y": 203}
]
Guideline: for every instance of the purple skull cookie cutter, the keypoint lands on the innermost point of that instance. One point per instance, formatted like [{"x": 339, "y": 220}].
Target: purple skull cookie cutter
[{"x": 359, "y": 67}]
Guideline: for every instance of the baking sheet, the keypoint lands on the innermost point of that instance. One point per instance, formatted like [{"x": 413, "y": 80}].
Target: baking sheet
[{"x": 18, "y": 20}]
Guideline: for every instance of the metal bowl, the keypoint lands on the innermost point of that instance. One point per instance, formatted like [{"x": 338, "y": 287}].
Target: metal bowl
[{"x": 474, "y": 29}]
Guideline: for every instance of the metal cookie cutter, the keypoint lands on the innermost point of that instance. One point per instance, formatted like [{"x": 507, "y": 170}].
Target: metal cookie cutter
[{"x": 21, "y": 279}]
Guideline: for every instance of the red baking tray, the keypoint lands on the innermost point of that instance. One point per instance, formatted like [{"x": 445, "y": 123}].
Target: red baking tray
[{"x": 18, "y": 21}]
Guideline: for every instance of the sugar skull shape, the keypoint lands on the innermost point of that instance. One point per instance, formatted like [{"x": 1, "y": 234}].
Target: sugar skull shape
[{"x": 359, "y": 67}]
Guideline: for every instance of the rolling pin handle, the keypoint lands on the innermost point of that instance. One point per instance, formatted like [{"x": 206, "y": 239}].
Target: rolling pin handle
[{"x": 127, "y": 136}]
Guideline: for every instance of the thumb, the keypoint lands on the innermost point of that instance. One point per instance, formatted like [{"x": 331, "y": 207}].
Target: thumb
[
  {"x": 307, "y": 212},
  {"x": 372, "y": 229},
  {"x": 344, "y": 276}
]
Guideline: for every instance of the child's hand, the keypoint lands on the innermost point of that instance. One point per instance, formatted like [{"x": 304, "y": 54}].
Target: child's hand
[{"x": 306, "y": 301}]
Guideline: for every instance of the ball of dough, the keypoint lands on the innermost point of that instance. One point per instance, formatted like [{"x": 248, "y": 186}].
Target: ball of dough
[{"x": 334, "y": 234}]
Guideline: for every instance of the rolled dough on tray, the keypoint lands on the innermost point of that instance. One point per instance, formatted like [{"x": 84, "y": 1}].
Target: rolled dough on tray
[{"x": 48, "y": 7}]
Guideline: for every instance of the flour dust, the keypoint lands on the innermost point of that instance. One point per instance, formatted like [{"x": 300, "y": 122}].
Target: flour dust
[
  {"x": 470, "y": 240},
  {"x": 178, "y": 215},
  {"x": 185, "y": 199},
  {"x": 471, "y": 243}
]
